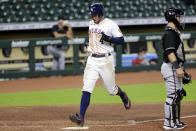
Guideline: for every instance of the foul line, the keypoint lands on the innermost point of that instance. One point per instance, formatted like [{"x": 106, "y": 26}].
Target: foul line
[
  {"x": 138, "y": 122},
  {"x": 133, "y": 122}
]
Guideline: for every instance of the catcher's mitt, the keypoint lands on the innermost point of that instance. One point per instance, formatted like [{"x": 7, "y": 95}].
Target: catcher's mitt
[
  {"x": 183, "y": 92},
  {"x": 187, "y": 78}
]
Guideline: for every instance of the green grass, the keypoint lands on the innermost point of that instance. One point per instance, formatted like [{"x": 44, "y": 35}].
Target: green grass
[{"x": 139, "y": 93}]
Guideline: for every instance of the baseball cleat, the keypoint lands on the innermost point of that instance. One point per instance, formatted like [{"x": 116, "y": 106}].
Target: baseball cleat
[
  {"x": 182, "y": 124},
  {"x": 176, "y": 127},
  {"x": 127, "y": 102},
  {"x": 76, "y": 119}
]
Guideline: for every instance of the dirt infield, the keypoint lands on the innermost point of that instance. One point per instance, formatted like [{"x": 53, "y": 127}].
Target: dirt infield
[
  {"x": 99, "y": 117},
  {"x": 113, "y": 117}
]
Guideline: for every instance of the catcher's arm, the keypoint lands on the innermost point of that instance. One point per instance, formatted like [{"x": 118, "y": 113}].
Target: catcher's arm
[{"x": 173, "y": 60}]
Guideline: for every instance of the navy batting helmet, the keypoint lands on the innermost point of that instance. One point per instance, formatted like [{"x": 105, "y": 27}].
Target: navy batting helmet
[
  {"x": 96, "y": 8},
  {"x": 171, "y": 15}
]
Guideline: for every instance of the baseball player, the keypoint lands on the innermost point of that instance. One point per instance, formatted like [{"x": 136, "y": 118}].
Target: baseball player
[
  {"x": 172, "y": 67},
  {"x": 103, "y": 32},
  {"x": 60, "y": 30}
]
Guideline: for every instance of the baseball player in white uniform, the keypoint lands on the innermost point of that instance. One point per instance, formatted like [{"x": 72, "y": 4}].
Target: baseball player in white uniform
[{"x": 103, "y": 32}]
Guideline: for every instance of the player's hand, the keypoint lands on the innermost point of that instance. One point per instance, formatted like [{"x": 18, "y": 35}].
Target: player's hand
[
  {"x": 180, "y": 72},
  {"x": 105, "y": 37}
]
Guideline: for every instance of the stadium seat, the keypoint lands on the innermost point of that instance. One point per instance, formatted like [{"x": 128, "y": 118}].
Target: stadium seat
[{"x": 34, "y": 9}]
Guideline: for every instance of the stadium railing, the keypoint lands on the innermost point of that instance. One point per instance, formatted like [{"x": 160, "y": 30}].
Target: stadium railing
[{"x": 32, "y": 63}]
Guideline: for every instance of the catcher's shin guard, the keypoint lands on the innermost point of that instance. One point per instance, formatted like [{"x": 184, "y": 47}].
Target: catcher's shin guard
[
  {"x": 174, "y": 112},
  {"x": 178, "y": 112},
  {"x": 178, "y": 121},
  {"x": 170, "y": 115}
]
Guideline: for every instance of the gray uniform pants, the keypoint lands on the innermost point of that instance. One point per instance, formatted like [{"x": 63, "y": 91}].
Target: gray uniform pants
[
  {"x": 172, "y": 84},
  {"x": 59, "y": 58}
]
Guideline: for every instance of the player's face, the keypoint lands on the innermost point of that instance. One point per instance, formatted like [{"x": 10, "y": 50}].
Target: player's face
[
  {"x": 95, "y": 18},
  {"x": 178, "y": 19},
  {"x": 60, "y": 24}
]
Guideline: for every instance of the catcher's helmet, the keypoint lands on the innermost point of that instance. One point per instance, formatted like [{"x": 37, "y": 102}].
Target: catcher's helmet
[
  {"x": 171, "y": 15},
  {"x": 96, "y": 8}
]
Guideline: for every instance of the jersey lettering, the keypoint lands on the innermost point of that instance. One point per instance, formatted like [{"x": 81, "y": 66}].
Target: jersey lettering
[
  {"x": 109, "y": 28},
  {"x": 95, "y": 30}
]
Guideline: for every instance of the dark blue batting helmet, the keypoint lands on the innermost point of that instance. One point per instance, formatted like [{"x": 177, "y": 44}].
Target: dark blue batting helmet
[{"x": 96, "y": 8}]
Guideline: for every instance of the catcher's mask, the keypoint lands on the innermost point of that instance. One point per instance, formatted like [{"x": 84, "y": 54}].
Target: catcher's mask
[
  {"x": 171, "y": 15},
  {"x": 96, "y": 8}
]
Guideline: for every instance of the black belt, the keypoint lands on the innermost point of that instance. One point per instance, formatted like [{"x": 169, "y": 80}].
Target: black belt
[{"x": 100, "y": 55}]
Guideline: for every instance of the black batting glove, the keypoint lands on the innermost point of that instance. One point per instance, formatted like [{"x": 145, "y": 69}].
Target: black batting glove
[{"x": 105, "y": 37}]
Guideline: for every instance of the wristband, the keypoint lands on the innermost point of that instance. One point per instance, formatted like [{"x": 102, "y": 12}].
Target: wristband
[{"x": 175, "y": 64}]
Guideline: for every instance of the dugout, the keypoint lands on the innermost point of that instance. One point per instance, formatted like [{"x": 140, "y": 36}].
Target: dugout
[{"x": 28, "y": 60}]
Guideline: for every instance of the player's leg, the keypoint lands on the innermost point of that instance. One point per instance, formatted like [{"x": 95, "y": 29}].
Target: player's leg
[
  {"x": 172, "y": 84},
  {"x": 180, "y": 95},
  {"x": 85, "y": 101},
  {"x": 178, "y": 109},
  {"x": 61, "y": 60},
  {"x": 170, "y": 110},
  {"x": 55, "y": 63},
  {"x": 90, "y": 77},
  {"x": 125, "y": 99},
  {"x": 107, "y": 73},
  {"x": 56, "y": 56},
  {"x": 50, "y": 50}
]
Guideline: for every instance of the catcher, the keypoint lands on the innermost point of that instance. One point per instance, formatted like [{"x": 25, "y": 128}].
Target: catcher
[{"x": 172, "y": 68}]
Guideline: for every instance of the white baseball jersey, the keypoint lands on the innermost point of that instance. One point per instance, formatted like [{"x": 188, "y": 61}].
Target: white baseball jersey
[
  {"x": 107, "y": 26},
  {"x": 103, "y": 67}
]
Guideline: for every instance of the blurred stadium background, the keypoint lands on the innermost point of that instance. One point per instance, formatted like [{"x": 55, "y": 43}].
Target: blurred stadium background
[{"x": 25, "y": 31}]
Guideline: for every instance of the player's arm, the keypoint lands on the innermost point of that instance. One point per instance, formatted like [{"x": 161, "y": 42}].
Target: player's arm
[
  {"x": 69, "y": 31},
  {"x": 115, "y": 40},
  {"x": 173, "y": 60},
  {"x": 169, "y": 40},
  {"x": 116, "y": 35},
  {"x": 57, "y": 35}
]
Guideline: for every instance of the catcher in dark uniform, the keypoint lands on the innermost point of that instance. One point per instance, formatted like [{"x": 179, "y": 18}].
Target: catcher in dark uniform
[{"x": 172, "y": 68}]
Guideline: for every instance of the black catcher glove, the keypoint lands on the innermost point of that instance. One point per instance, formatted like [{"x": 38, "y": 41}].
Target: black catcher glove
[
  {"x": 183, "y": 92},
  {"x": 180, "y": 94},
  {"x": 105, "y": 37},
  {"x": 187, "y": 78}
]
